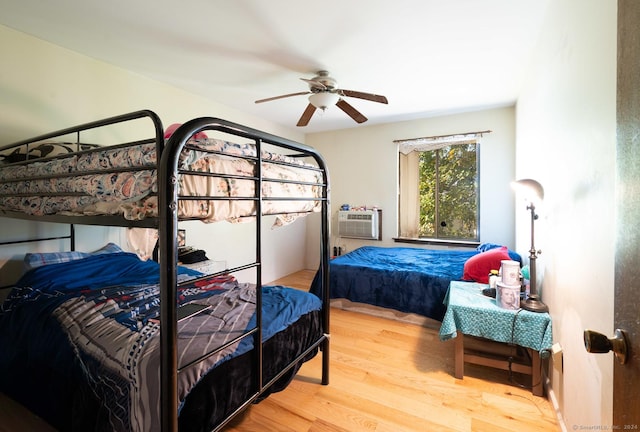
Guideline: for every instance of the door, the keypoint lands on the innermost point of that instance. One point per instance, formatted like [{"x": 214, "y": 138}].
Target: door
[{"x": 626, "y": 377}]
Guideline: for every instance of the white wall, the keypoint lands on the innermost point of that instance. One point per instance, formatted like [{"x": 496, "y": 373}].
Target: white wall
[
  {"x": 44, "y": 88},
  {"x": 363, "y": 166},
  {"x": 566, "y": 139}
]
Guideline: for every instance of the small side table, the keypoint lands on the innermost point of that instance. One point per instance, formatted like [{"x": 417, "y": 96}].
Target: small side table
[{"x": 469, "y": 312}]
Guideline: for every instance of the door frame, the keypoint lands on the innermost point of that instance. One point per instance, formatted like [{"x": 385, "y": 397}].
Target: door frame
[{"x": 626, "y": 378}]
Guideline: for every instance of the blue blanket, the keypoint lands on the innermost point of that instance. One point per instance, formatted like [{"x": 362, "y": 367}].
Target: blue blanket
[
  {"x": 406, "y": 279},
  {"x": 92, "y": 323}
]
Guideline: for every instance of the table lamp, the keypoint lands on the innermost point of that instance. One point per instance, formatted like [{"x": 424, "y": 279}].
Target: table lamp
[{"x": 533, "y": 193}]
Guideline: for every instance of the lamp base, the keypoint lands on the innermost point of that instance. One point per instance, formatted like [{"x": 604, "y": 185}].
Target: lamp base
[{"x": 534, "y": 304}]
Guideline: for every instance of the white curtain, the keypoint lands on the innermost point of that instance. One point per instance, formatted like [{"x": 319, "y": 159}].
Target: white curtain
[
  {"x": 434, "y": 143},
  {"x": 409, "y": 194}
]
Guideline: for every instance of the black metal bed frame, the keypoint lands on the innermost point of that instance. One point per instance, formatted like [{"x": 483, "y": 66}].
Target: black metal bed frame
[{"x": 167, "y": 224}]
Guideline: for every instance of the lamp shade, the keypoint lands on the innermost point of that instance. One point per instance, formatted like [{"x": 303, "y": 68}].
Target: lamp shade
[
  {"x": 531, "y": 189},
  {"x": 323, "y": 99}
]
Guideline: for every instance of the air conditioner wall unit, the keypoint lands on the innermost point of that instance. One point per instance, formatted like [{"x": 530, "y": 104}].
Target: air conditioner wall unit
[{"x": 361, "y": 224}]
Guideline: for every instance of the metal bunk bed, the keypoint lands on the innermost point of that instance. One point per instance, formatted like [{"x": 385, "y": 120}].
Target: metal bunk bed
[{"x": 166, "y": 222}]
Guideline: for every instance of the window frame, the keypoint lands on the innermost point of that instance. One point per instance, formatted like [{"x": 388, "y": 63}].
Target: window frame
[{"x": 432, "y": 144}]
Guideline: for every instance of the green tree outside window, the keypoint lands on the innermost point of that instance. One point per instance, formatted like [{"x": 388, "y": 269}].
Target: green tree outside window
[{"x": 449, "y": 193}]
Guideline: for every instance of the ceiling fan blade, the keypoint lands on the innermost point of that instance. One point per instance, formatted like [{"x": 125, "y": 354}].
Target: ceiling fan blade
[
  {"x": 283, "y": 96},
  {"x": 306, "y": 115},
  {"x": 367, "y": 96},
  {"x": 351, "y": 111}
]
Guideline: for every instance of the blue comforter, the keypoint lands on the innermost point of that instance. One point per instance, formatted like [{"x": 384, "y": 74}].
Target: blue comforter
[
  {"x": 406, "y": 279},
  {"x": 93, "y": 322}
]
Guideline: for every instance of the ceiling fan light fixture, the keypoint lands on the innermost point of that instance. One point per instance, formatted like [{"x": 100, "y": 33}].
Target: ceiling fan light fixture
[
  {"x": 323, "y": 100},
  {"x": 324, "y": 92}
]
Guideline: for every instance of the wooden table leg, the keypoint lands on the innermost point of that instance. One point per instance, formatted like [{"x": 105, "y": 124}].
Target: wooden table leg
[
  {"x": 459, "y": 356},
  {"x": 536, "y": 376}
]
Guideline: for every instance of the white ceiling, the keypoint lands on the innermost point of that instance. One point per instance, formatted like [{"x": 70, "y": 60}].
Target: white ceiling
[{"x": 428, "y": 57}]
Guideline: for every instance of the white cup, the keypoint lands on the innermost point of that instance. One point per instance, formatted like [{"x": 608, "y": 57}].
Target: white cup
[{"x": 510, "y": 272}]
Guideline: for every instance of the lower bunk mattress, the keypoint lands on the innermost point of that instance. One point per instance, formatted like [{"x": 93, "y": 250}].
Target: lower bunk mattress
[
  {"x": 80, "y": 344},
  {"x": 410, "y": 280}
]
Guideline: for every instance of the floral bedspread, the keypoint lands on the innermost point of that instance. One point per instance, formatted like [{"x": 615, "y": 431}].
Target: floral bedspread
[{"x": 123, "y": 180}]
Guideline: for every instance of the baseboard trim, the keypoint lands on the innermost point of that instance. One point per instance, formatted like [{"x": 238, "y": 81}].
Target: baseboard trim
[{"x": 556, "y": 406}]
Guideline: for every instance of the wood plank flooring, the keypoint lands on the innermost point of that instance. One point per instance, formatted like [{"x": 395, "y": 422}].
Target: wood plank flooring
[
  {"x": 386, "y": 376},
  {"x": 391, "y": 376}
]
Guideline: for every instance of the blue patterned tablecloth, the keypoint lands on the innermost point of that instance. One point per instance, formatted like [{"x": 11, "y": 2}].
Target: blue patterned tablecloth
[{"x": 472, "y": 313}]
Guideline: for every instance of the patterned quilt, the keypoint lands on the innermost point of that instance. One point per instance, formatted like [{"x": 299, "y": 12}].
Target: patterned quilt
[
  {"x": 99, "y": 315},
  {"x": 123, "y": 180}
]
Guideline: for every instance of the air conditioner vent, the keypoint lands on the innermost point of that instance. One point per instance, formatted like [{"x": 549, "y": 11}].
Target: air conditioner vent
[{"x": 362, "y": 224}]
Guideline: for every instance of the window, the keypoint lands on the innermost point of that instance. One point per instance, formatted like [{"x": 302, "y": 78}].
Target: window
[{"x": 439, "y": 188}]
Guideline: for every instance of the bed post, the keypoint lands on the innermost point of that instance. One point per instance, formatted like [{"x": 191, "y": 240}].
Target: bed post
[
  {"x": 257, "y": 338},
  {"x": 324, "y": 266},
  {"x": 167, "y": 235}
]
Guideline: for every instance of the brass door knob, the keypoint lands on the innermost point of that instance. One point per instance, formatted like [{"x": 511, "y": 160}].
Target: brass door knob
[{"x": 595, "y": 342}]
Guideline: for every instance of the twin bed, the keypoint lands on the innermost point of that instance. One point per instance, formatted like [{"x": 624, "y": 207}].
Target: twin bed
[
  {"x": 409, "y": 280},
  {"x": 92, "y": 341}
]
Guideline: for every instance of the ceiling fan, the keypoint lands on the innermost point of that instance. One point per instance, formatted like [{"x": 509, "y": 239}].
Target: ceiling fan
[{"x": 324, "y": 92}]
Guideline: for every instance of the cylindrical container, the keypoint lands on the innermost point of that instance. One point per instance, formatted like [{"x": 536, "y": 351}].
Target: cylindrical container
[
  {"x": 510, "y": 271},
  {"x": 508, "y": 296}
]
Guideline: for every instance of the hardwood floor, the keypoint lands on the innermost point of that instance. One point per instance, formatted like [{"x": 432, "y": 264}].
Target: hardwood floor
[
  {"x": 391, "y": 376},
  {"x": 386, "y": 376}
]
